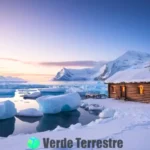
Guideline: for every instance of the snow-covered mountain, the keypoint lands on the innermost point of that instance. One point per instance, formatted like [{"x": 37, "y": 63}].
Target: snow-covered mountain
[
  {"x": 129, "y": 60},
  {"x": 101, "y": 71},
  {"x": 11, "y": 79},
  {"x": 78, "y": 74}
]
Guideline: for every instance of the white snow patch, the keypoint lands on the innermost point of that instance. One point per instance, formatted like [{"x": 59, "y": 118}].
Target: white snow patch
[
  {"x": 130, "y": 124},
  {"x": 76, "y": 126},
  {"x": 107, "y": 113},
  {"x": 59, "y": 128},
  {"x": 93, "y": 107}
]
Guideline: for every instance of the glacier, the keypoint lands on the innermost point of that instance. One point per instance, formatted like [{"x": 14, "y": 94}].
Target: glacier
[
  {"x": 7, "y": 109},
  {"x": 60, "y": 103}
]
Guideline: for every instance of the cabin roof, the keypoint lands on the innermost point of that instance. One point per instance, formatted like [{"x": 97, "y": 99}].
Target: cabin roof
[{"x": 130, "y": 76}]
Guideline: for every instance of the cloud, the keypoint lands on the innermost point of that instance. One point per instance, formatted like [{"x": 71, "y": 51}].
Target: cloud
[
  {"x": 69, "y": 63},
  {"x": 62, "y": 63}
]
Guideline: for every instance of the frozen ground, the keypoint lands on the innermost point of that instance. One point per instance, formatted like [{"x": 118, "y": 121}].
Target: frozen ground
[{"x": 131, "y": 123}]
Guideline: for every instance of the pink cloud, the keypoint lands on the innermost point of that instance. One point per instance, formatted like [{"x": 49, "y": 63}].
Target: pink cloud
[{"x": 62, "y": 63}]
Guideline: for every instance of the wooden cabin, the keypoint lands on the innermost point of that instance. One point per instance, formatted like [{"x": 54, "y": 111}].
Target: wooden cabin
[{"x": 130, "y": 85}]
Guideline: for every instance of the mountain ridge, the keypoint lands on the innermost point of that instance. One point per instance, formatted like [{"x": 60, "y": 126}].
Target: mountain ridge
[
  {"x": 11, "y": 79},
  {"x": 129, "y": 60}
]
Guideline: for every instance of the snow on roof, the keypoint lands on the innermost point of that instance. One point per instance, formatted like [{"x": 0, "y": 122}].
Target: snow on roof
[{"x": 130, "y": 76}]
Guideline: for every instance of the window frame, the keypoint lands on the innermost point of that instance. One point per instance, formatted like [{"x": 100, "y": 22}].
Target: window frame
[
  {"x": 141, "y": 89},
  {"x": 113, "y": 89}
]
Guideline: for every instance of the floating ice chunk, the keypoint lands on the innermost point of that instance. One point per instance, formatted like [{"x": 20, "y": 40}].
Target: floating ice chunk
[
  {"x": 107, "y": 113},
  {"x": 60, "y": 103},
  {"x": 30, "y": 112},
  {"x": 33, "y": 95},
  {"x": 27, "y": 93},
  {"x": 7, "y": 109}
]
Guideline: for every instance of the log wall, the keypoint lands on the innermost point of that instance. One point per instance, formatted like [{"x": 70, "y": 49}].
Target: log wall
[{"x": 132, "y": 92}]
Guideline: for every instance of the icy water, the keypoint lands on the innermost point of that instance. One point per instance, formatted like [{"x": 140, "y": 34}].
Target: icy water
[
  {"x": 20, "y": 125},
  {"x": 7, "y": 90}
]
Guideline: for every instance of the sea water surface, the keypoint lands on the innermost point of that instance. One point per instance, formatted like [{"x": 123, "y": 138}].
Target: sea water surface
[{"x": 23, "y": 125}]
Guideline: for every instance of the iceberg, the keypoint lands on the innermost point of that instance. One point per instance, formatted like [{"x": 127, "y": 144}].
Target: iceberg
[
  {"x": 30, "y": 112},
  {"x": 7, "y": 109},
  {"x": 60, "y": 103}
]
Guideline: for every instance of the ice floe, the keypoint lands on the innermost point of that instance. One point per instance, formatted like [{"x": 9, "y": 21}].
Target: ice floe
[
  {"x": 30, "y": 112},
  {"x": 56, "y": 104},
  {"x": 7, "y": 109}
]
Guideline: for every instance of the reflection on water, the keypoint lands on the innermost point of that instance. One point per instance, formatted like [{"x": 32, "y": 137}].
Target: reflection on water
[
  {"x": 29, "y": 119},
  {"x": 30, "y": 125},
  {"x": 7, "y": 127},
  {"x": 65, "y": 119}
]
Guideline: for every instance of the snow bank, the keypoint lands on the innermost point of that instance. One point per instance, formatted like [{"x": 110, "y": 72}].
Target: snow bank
[
  {"x": 76, "y": 126},
  {"x": 56, "y": 104},
  {"x": 133, "y": 122},
  {"x": 107, "y": 113},
  {"x": 7, "y": 109},
  {"x": 30, "y": 112}
]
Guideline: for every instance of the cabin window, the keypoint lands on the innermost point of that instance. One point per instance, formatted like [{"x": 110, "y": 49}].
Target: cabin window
[
  {"x": 141, "y": 89},
  {"x": 123, "y": 88},
  {"x": 113, "y": 89}
]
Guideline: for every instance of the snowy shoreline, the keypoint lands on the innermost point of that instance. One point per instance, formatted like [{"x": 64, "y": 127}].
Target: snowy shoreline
[{"x": 131, "y": 123}]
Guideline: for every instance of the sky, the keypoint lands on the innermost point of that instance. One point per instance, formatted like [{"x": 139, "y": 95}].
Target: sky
[{"x": 39, "y": 37}]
